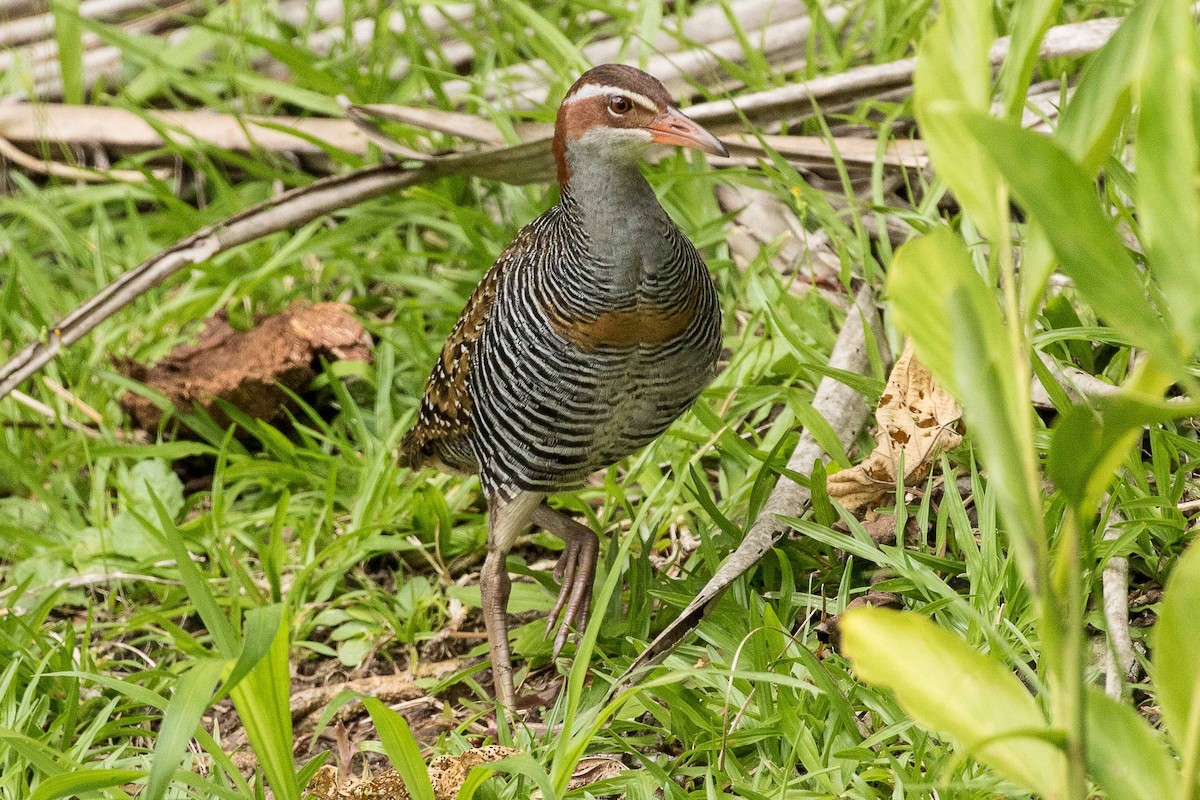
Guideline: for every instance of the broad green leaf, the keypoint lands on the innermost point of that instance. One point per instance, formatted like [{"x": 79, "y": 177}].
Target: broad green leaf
[
  {"x": 954, "y": 73},
  {"x": 1168, "y": 169},
  {"x": 1125, "y": 757},
  {"x": 153, "y": 478},
  {"x": 73, "y": 784},
  {"x": 969, "y": 32},
  {"x": 1031, "y": 18},
  {"x": 402, "y": 749},
  {"x": 1037, "y": 265},
  {"x": 1177, "y": 657},
  {"x": 523, "y": 764},
  {"x": 956, "y": 691},
  {"x": 193, "y": 696},
  {"x": 475, "y": 778},
  {"x": 1104, "y": 95},
  {"x": 1089, "y": 443},
  {"x": 942, "y": 303},
  {"x": 1062, "y": 198},
  {"x": 923, "y": 274},
  {"x": 262, "y": 701}
]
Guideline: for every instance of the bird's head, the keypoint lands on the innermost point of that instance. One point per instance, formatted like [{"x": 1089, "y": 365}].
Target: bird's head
[{"x": 614, "y": 112}]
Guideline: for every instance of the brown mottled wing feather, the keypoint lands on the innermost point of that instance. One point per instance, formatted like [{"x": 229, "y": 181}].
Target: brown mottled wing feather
[{"x": 440, "y": 436}]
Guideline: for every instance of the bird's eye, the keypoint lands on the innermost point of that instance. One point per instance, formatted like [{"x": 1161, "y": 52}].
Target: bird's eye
[{"x": 619, "y": 104}]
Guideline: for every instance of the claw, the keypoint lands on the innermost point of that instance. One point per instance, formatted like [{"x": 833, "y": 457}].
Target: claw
[
  {"x": 575, "y": 571},
  {"x": 565, "y": 573},
  {"x": 577, "y": 610}
]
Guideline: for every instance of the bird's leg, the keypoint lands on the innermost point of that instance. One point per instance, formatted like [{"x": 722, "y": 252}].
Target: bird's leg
[
  {"x": 506, "y": 520},
  {"x": 575, "y": 571}
]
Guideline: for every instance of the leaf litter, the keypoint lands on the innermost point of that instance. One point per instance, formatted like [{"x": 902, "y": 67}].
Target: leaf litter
[{"x": 917, "y": 420}]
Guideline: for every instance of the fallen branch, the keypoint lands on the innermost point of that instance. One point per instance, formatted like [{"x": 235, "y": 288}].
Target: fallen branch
[
  {"x": 1120, "y": 664},
  {"x": 37, "y": 166},
  {"x": 846, "y": 412},
  {"x": 798, "y": 99},
  {"x": 126, "y": 131},
  {"x": 52, "y": 416},
  {"x": 286, "y": 211}
]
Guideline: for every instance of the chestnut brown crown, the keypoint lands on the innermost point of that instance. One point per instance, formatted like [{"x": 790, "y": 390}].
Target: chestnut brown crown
[{"x": 615, "y": 112}]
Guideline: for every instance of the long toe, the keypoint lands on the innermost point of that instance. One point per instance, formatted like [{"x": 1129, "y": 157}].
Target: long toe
[
  {"x": 579, "y": 590},
  {"x": 566, "y": 572},
  {"x": 576, "y": 614}
]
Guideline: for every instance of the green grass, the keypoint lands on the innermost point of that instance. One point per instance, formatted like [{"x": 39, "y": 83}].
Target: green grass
[{"x": 111, "y": 645}]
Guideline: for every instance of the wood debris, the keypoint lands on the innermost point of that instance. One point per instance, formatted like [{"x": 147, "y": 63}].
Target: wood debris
[
  {"x": 251, "y": 370},
  {"x": 917, "y": 420}
]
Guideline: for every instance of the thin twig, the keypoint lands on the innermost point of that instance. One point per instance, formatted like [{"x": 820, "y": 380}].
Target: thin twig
[
  {"x": 798, "y": 99},
  {"x": 62, "y": 391},
  {"x": 66, "y": 171},
  {"x": 37, "y": 406}
]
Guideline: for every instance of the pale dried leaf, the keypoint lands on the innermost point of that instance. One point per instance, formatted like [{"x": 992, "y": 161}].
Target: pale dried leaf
[
  {"x": 446, "y": 773},
  {"x": 917, "y": 420},
  {"x": 589, "y": 770},
  {"x": 594, "y": 769}
]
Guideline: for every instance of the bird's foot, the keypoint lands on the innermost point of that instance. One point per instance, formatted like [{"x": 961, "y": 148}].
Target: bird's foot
[{"x": 575, "y": 572}]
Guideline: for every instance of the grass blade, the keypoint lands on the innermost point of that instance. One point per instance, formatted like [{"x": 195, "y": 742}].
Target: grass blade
[{"x": 402, "y": 749}]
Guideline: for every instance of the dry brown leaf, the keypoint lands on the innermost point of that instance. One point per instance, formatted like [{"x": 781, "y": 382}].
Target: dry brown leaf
[
  {"x": 594, "y": 769},
  {"x": 917, "y": 420},
  {"x": 446, "y": 773},
  {"x": 249, "y": 369}
]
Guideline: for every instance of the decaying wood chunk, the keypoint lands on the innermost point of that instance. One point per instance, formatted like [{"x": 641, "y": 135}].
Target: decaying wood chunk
[
  {"x": 917, "y": 420},
  {"x": 248, "y": 369}
]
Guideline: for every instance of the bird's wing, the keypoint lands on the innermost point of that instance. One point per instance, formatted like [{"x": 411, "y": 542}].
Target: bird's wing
[{"x": 443, "y": 422}]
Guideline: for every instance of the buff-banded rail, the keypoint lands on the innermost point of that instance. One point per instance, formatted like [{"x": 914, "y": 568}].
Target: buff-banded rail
[{"x": 594, "y": 330}]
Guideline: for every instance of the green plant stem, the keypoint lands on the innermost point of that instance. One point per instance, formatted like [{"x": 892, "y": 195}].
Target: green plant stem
[
  {"x": 1069, "y": 690},
  {"x": 1061, "y": 621}
]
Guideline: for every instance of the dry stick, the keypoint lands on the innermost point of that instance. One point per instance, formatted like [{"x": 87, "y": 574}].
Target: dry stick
[
  {"x": 846, "y": 411},
  {"x": 779, "y": 39},
  {"x": 1119, "y": 661},
  {"x": 59, "y": 170},
  {"x": 1077, "y": 384},
  {"x": 126, "y": 131},
  {"x": 51, "y": 415}
]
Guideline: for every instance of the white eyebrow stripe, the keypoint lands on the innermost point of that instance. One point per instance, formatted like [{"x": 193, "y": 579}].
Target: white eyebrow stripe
[{"x": 592, "y": 89}]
